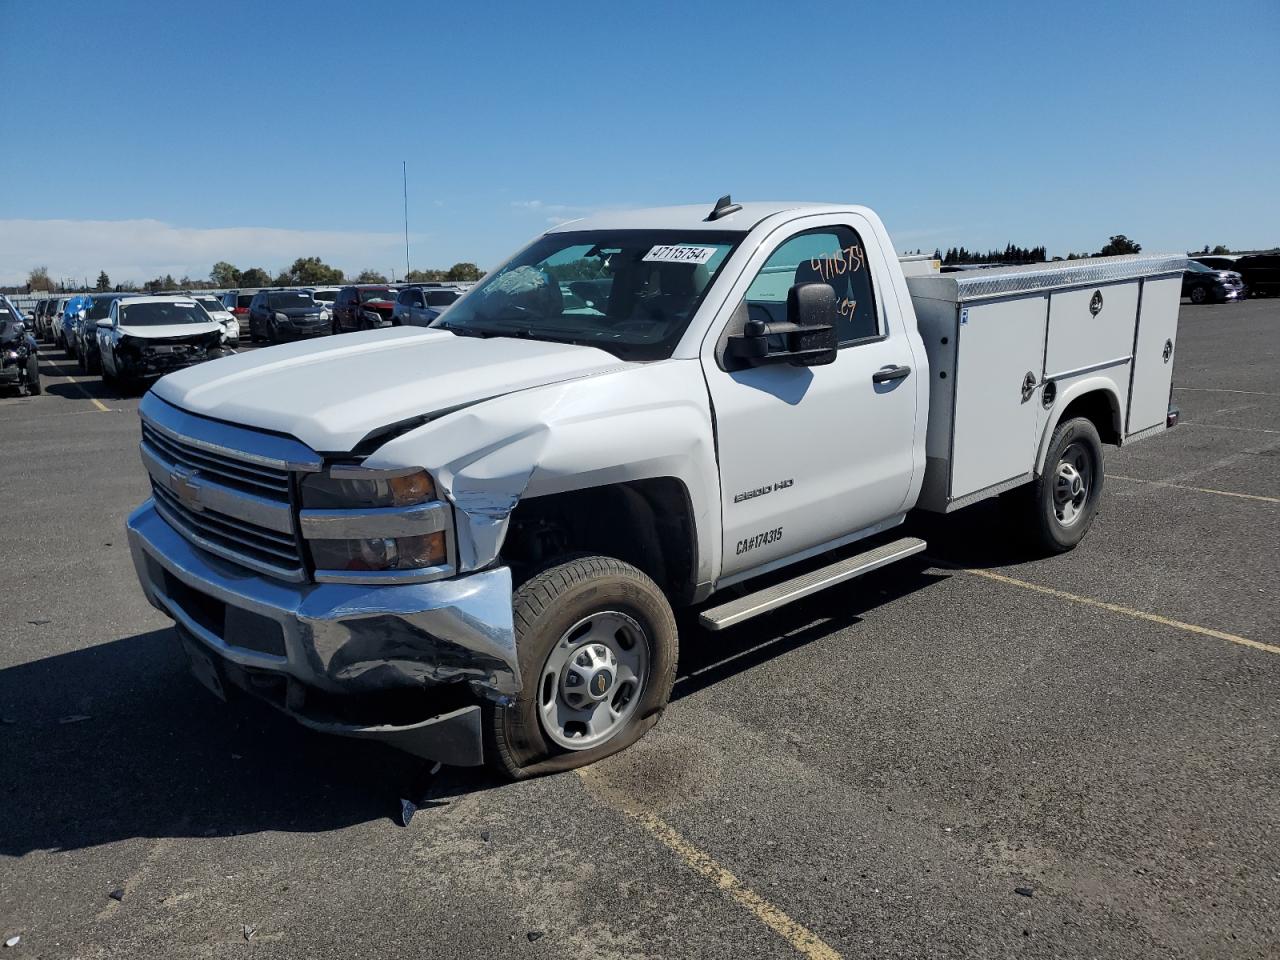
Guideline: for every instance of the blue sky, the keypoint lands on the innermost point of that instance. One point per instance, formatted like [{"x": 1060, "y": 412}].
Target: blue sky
[{"x": 258, "y": 132}]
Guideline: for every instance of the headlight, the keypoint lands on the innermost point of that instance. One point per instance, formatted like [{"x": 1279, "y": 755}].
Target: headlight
[
  {"x": 346, "y": 488},
  {"x": 11, "y": 354},
  {"x": 281, "y": 316},
  {"x": 388, "y": 523},
  {"x": 381, "y": 553}
]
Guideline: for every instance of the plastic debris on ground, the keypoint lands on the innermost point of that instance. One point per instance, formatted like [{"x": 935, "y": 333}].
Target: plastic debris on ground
[{"x": 421, "y": 791}]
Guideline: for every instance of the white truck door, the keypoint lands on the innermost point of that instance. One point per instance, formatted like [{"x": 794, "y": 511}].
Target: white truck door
[{"x": 809, "y": 455}]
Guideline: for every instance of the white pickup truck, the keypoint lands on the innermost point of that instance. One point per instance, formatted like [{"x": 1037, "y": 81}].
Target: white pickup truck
[{"x": 467, "y": 540}]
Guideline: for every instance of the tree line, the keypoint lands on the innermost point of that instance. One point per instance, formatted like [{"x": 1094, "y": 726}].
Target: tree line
[{"x": 304, "y": 272}]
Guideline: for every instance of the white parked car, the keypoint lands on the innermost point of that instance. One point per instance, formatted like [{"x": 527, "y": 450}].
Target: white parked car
[
  {"x": 143, "y": 338},
  {"x": 325, "y": 296},
  {"x": 219, "y": 312},
  {"x": 468, "y": 539}
]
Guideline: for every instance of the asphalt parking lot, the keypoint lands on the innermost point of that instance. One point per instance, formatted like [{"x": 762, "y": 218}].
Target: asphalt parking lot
[{"x": 981, "y": 755}]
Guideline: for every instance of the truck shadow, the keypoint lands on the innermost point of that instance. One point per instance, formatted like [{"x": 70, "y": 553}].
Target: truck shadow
[{"x": 117, "y": 741}]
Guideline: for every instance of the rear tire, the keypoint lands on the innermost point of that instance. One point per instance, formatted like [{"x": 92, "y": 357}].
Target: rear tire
[
  {"x": 584, "y": 621},
  {"x": 1064, "y": 498}
]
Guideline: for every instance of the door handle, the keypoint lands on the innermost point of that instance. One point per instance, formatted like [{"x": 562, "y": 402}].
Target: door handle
[{"x": 888, "y": 374}]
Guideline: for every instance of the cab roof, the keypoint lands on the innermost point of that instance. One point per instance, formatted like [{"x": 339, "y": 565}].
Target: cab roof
[{"x": 688, "y": 217}]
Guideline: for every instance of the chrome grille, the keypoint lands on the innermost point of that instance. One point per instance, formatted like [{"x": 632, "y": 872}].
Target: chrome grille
[
  {"x": 263, "y": 481},
  {"x": 266, "y": 550},
  {"x": 226, "y": 489}
]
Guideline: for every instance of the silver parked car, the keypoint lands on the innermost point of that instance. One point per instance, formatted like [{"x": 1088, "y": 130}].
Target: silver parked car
[{"x": 419, "y": 306}]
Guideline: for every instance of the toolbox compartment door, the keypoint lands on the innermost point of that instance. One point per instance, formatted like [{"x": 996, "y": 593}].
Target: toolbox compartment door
[
  {"x": 1153, "y": 354},
  {"x": 994, "y": 438}
]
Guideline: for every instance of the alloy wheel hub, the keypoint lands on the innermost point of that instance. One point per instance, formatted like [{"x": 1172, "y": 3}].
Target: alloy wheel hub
[{"x": 589, "y": 676}]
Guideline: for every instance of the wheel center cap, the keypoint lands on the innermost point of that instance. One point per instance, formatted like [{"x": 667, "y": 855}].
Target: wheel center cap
[{"x": 600, "y": 684}]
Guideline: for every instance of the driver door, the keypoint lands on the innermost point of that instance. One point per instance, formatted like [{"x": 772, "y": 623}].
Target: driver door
[{"x": 812, "y": 455}]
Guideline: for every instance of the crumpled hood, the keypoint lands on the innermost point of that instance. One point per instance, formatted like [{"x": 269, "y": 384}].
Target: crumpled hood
[
  {"x": 334, "y": 392},
  {"x": 191, "y": 331}
]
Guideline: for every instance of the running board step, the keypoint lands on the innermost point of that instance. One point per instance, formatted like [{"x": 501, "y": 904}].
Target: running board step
[{"x": 780, "y": 594}]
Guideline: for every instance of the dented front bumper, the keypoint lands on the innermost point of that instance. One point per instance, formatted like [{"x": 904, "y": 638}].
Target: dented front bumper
[{"x": 406, "y": 664}]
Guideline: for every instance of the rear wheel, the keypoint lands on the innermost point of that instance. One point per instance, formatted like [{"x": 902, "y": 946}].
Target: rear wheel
[
  {"x": 1064, "y": 498},
  {"x": 597, "y": 645}
]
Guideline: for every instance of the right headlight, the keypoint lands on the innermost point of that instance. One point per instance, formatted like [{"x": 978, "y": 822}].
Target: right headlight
[{"x": 367, "y": 525}]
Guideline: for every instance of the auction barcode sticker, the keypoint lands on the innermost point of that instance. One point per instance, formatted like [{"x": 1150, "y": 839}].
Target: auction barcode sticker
[{"x": 677, "y": 254}]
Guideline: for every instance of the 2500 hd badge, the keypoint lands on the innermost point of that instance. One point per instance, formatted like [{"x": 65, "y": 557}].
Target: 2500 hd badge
[{"x": 759, "y": 540}]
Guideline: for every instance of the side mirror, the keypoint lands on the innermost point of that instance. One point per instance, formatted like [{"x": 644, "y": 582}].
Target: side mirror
[
  {"x": 806, "y": 339},
  {"x": 105, "y": 324}
]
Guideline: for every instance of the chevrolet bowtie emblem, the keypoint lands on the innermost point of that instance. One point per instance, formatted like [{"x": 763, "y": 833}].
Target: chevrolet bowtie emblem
[{"x": 185, "y": 490}]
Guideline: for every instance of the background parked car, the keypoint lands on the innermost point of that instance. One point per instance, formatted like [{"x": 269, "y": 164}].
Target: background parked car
[
  {"x": 1217, "y": 263},
  {"x": 325, "y": 297},
  {"x": 363, "y": 307},
  {"x": 19, "y": 363},
  {"x": 218, "y": 311},
  {"x": 72, "y": 315},
  {"x": 419, "y": 306},
  {"x": 1207, "y": 285},
  {"x": 53, "y": 320},
  {"x": 237, "y": 305},
  {"x": 146, "y": 337},
  {"x": 41, "y": 319},
  {"x": 1261, "y": 273},
  {"x": 285, "y": 315},
  {"x": 97, "y": 308}
]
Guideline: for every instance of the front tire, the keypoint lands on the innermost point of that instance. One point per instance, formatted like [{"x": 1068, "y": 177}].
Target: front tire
[
  {"x": 1199, "y": 295},
  {"x": 34, "y": 386},
  {"x": 1064, "y": 498},
  {"x": 598, "y": 648}
]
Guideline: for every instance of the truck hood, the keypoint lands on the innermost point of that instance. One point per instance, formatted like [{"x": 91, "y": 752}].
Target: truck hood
[{"x": 333, "y": 393}]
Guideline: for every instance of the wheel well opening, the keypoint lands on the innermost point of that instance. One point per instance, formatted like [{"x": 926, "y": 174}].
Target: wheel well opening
[
  {"x": 646, "y": 523},
  {"x": 1097, "y": 407}
]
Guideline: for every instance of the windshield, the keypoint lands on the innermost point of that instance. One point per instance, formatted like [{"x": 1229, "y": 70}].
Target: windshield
[
  {"x": 210, "y": 303},
  {"x": 377, "y": 296},
  {"x": 162, "y": 314},
  {"x": 631, "y": 292},
  {"x": 284, "y": 301},
  {"x": 441, "y": 298},
  {"x": 101, "y": 307}
]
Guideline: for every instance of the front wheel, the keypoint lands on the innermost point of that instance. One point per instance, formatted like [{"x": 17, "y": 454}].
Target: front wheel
[
  {"x": 598, "y": 647},
  {"x": 1199, "y": 295},
  {"x": 34, "y": 387},
  {"x": 1064, "y": 498}
]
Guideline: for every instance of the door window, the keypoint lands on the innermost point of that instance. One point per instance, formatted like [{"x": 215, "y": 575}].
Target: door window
[{"x": 831, "y": 255}]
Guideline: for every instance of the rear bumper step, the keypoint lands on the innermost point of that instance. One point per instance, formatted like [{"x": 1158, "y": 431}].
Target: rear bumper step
[{"x": 780, "y": 594}]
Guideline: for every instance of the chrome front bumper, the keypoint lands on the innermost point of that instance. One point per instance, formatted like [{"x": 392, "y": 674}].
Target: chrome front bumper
[{"x": 308, "y": 644}]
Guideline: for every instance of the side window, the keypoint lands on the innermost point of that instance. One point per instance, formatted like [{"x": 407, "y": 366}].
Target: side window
[{"x": 831, "y": 255}]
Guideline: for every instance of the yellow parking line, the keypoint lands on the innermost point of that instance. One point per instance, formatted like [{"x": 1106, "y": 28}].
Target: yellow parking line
[
  {"x": 1247, "y": 393},
  {"x": 92, "y": 399},
  {"x": 801, "y": 938},
  {"x": 1116, "y": 608},
  {"x": 1183, "y": 486},
  {"x": 1225, "y": 426}
]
